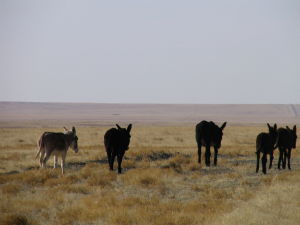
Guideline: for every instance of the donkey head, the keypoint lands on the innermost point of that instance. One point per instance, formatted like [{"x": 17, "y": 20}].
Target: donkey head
[
  {"x": 218, "y": 135},
  {"x": 73, "y": 138},
  {"x": 124, "y": 136},
  {"x": 273, "y": 132},
  {"x": 293, "y": 133}
]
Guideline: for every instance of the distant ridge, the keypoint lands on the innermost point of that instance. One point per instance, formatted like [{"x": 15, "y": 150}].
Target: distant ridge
[{"x": 16, "y": 114}]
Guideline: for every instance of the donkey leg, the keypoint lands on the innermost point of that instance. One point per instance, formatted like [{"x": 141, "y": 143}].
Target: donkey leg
[
  {"x": 289, "y": 158},
  {"x": 55, "y": 158},
  {"x": 257, "y": 161},
  {"x": 47, "y": 156},
  {"x": 112, "y": 160},
  {"x": 207, "y": 155},
  {"x": 216, "y": 156},
  {"x": 284, "y": 158},
  {"x": 280, "y": 158},
  {"x": 264, "y": 163},
  {"x": 120, "y": 158},
  {"x": 271, "y": 160},
  {"x": 108, "y": 152},
  {"x": 199, "y": 154},
  {"x": 63, "y": 160},
  {"x": 42, "y": 159}
]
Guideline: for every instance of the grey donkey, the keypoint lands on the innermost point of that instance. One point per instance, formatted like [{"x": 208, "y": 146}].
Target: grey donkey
[{"x": 56, "y": 144}]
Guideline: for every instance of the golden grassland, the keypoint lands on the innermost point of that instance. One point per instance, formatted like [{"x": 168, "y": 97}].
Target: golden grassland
[{"x": 162, "y": 183}]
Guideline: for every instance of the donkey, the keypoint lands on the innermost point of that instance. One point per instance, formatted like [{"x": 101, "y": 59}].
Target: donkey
[
  {"x": 286, "y": 141},
  {"x": 265, "y": 144},
  {"x": 209, "y": 134},
  {"x": 56, "y": 144},
  {"x": 116, "y": 142}
]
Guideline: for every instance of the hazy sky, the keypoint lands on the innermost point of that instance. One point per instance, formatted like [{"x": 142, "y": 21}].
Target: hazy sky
[{"x": 150, "y": 51}]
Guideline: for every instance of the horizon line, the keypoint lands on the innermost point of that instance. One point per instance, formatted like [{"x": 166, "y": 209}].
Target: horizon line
[{"x": 141, "y": 103}]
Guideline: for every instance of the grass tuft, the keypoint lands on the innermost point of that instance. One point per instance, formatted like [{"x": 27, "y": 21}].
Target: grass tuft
[
  {"x": 11, "y": 188},
  {"x": 103, "y": 178},
  {"x": 15, "y": 220}
]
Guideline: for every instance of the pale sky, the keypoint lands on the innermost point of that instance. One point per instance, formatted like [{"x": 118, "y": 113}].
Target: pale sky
[{"x": 150, "y": 51}]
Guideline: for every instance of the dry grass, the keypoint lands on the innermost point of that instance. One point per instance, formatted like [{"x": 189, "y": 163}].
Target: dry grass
[{"x": 162, "y": 183}]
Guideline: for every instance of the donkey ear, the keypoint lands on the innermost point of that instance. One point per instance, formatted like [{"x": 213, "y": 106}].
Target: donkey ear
[
  {"x": 73, "y": 130},
  {"x": 295, "y": 128},
  {"x": 118, "y": 126},
  {"x": 287, "y": 127},
  {"x": 269, "y": 126},
  {"x": 275, "y": 126},
  {"x": 129, "y": 128},
  {"x": 66, "y": 129},
  {"x": 223, "y": 125}
]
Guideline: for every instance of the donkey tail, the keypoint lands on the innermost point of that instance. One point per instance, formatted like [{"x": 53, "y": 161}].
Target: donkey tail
[
  {"x": 38, "y": 153},
  {"x": 40, "y": 145},
  {"x": 276, "y": 142}
]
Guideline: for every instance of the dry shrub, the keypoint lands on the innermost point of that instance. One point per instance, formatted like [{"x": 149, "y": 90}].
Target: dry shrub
[
  {"x": 178, "y": 162},
  {"x": 52, "y": 182},
  {"x": 151, "y": 155},
  {"x": 90, "y": 208},
  {"x": 220, "y": 194},
  {"x": 171, "y": 213},
  {"x": 172, "y": 165},
  {"x": 91, "y": 168},
  {"x": 181, "y": 159},
  {"x": 13, "y": 156},
  {"x": 103, "y": 178},
  {"x": 286, "y": 176},
  {"x": 244, "y": 194},
  {"x": 158, "y": 139},
  {"x": 132, "y": 201},
  {"x": 178, "y": 139},
  {"x": 123, "y": 217},
  {"x": 77, "y": 189},
  {"x": 163, "y": 189},
  {"x": 250, "y": 183},
  {"x": 39, "y": 177},
  {"x": 196, "y": 188},
  {"x": 32, "y": 177},
  {"x": 128, "y": 164},
  {"x": 66, "y": 179},
  {"x": 14, "y": 220},
  {"x": 70, "y": 179},
  {"x": 3, "y": 178},
  {"x": 234, "y": 175},
  {"x": 184, "y": 220},
  {"x": 146, "y": 177},
  {"x": 233, "y": 152},
  {"x": 194, "y": 166},
  {"x": 11, "y": 188},
  {"x": 146, "y": 211},
  {"x": 267, "y": 179},
  {"x": 70, "y": 215},
  {"x": 148, "y": 180},
  {"x": 196, "y": 206}
]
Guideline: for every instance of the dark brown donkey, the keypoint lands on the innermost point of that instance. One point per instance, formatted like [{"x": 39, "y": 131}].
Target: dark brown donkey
[
  {"x": 265, "y": 143},
  {"x": 116, "y": 142},
  {"x": 286, "y": 141},
  {"x": 56, "y": 144},
  {"x": 209, "y": 134}
]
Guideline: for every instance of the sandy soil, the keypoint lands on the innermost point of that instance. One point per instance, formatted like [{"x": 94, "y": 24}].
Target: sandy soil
[{"x": 20, "y": 114}]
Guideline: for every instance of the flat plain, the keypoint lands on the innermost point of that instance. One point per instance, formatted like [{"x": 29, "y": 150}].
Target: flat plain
[{"x": 162, "y": 183}]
